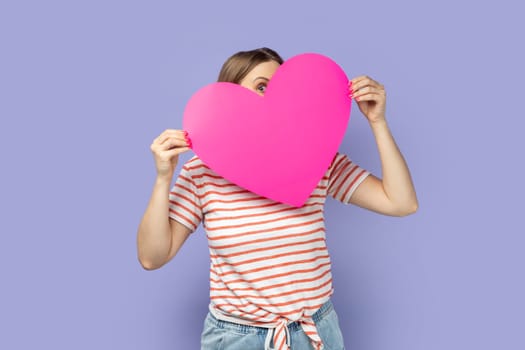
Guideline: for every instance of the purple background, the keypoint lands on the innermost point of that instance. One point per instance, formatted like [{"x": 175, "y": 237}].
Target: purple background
[{"x": 86, "y": 86}]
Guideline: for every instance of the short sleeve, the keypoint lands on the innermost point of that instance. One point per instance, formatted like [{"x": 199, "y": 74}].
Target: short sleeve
[
  {"x": 184, "y": 203},
  {"x": 345, "y": 176}
]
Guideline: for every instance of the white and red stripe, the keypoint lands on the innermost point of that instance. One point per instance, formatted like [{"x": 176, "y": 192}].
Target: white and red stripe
[{"x": 269, "y": 261}]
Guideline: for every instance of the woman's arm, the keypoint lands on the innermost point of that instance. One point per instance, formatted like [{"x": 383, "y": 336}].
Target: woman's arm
[
  {"x": 158, "y": 237},
  {"x": 394, "y": 194}
]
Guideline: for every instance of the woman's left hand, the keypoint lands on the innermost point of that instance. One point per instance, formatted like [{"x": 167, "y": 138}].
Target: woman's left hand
[{"x": 370, "y": 96}]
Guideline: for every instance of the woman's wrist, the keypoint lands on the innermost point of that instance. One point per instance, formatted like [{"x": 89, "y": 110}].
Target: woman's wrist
[
  {"x": 379, "y": 125},
  {"x": 163, "y": 180}
]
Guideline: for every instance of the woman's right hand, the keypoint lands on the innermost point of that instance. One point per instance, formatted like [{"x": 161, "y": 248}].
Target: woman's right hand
[{"x": 166, "y": 149}]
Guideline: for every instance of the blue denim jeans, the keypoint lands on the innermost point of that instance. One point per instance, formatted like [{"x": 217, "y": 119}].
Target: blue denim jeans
[{"x": 223, "y": 335}]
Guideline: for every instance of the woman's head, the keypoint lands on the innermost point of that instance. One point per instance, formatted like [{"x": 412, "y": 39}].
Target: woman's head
[{"x": 251, "y": 69}]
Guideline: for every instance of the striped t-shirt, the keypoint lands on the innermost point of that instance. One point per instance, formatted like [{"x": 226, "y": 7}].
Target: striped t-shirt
[{"x": 269, "y": 262}]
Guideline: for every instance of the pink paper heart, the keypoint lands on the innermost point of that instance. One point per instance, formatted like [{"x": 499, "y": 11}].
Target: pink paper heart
[{"x": 278, "y": 145}]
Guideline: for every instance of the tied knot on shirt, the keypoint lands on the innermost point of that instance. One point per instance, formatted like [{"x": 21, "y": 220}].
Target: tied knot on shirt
[{"x": 281, "y": 335}]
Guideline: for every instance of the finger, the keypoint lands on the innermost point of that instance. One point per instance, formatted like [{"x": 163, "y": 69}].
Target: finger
[
  {"x": 171, "y": 132},
  {"x": 357, "y": 79},
  {"x": 180, "y": 134},
  {"x": 371, "y": 96},
  {"x": 372, "y": 81},
  {"x": 174, "y": 152},
  {"x": 177, "y": 138},
  {"x": 168, "y": 132},
  {"x": 366, "y": 82},
  {"x": 172, "y": 142},
  {"x": 358, "y": 82},
  {"x": 162, "y": 137},
  {"x": 365, "y": 90}
]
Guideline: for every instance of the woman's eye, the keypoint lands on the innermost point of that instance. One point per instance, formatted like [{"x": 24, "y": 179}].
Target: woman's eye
[{"x": 261, "y": 87}]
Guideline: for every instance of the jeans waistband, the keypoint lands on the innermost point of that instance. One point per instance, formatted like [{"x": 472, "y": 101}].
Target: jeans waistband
[{"x": 247, "y": 329}]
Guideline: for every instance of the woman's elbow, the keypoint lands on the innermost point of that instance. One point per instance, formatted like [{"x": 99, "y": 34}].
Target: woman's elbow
[
  {"x": 149, "y": 265},
  {"x": 408, "y": 209}
]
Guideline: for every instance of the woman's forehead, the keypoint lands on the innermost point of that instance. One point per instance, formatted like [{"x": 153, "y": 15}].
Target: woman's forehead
[{"x": 264, "y": 69}]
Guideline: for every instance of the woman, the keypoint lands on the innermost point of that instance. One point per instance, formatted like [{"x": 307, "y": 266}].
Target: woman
[{"x": 270, "y": 276}]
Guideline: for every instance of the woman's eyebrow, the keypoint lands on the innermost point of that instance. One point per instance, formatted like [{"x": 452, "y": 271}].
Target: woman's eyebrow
[{"x": 261, "y": 78}]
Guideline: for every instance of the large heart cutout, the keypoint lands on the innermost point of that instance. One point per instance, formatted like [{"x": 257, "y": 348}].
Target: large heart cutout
[{"x": 278, "y": 145}]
